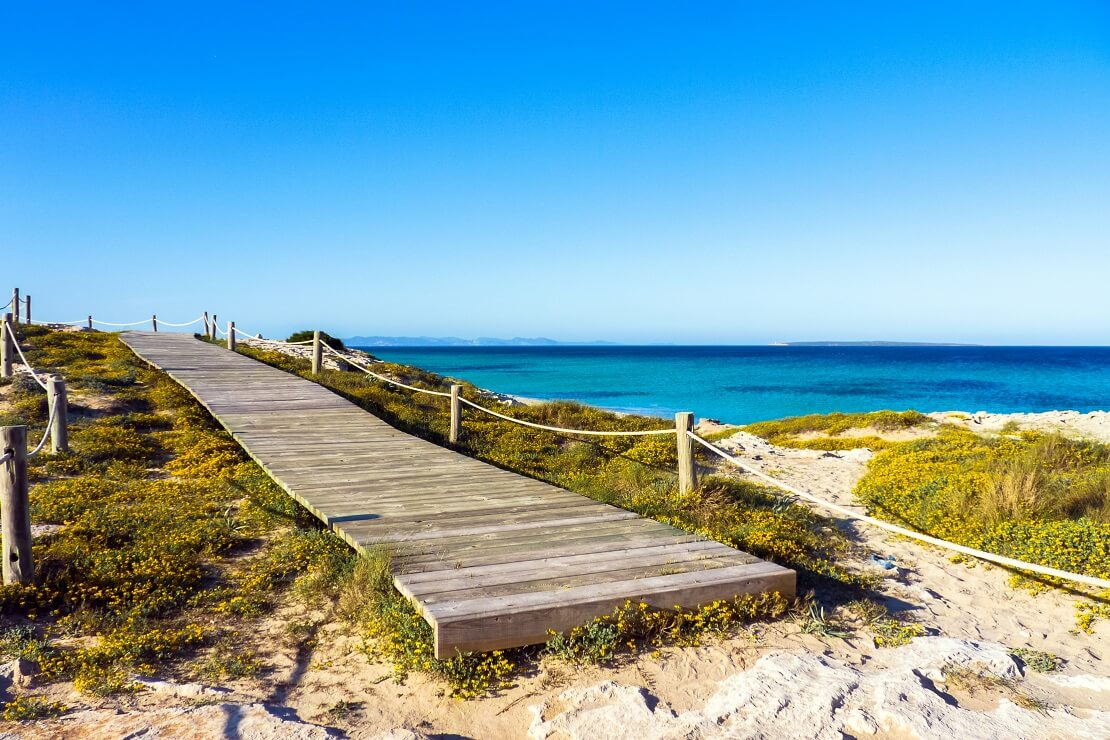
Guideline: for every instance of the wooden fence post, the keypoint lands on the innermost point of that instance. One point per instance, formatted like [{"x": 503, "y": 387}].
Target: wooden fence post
[
  {"x": 28, "y": 300},
  {"x": 207, "y": 328},
  {"x": 56, "y": 398},
  {"x": 317, "y": 353},
  {"x": 687, "y": 477},
  {"x": 456, "y": 415},
  {"x": 90, "y": 322},
  {"x": 6, "y": 348},
  {"x": 15, "y": 512},
  {"x": 215, "y": 334},
  {"x": 231, "y": 335},
  {"x": 154, "y": 322},
  {"x": 15, "y": 304}
]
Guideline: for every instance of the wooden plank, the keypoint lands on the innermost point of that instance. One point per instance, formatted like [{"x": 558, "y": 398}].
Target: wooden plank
[
  {"x": 460, "y": 581},
  {"x": 564, "y": 563},
  {"x": 613, "y": 574},
  {"x": 513, "y": 625}
]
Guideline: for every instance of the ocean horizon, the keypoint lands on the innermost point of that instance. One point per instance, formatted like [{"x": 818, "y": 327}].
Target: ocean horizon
[{"x": 747, "y": 383}]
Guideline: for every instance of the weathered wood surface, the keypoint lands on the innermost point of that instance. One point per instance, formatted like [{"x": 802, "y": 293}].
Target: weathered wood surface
[
  {"x": 15, "y": 509},
  {"x": 492, "y": 559}
]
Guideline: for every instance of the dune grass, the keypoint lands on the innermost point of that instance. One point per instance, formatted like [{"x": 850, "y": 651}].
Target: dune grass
[
  {"x": 789, "y": 432},
  {"x": 1042, "y": 498},
  {"x": 133, "y": 581}
]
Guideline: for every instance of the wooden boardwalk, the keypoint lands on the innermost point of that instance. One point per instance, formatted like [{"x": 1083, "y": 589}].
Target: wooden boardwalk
[{"x": 492, "y": 559}]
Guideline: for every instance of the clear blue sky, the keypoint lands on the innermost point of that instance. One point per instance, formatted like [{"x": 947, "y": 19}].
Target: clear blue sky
[{"x": 684, "y": 172}]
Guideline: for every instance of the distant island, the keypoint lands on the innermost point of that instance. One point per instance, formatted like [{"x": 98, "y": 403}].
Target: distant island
[
  {"x": 459, "y": 342},
  {"x": 874, "y": 344}
]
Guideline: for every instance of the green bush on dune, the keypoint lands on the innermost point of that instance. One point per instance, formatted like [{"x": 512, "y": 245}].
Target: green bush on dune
[
  {"x": 328, "y": 339},
  {"x": 1042, "y": 498}
]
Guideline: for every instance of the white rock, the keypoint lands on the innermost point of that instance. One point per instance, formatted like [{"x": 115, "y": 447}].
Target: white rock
[
  {"x": 609, "y": 711},
  {"x": 241, "y": 721},
  {"x": 183, "y": 690},
  {"x": 804, "y": 695},
  {"x": 1085, "y": 681}
]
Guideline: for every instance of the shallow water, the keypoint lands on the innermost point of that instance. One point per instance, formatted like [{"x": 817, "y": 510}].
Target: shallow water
[{"x": 746, "y": 384}]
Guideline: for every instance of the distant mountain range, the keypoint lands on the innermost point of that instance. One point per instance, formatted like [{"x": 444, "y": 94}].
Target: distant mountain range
[
  {"x": 459, "y": 342},
  {"x": 876, "y": 344}
]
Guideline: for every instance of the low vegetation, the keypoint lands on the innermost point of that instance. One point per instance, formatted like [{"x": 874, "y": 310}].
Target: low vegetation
[
  {"x": 131, "y": 581},
  {"x": 1038, "y": 497},
  {"x": 328, "y": 339},
  {"x": 827, "y": 431},
  {"x": 633, "y": 627}
]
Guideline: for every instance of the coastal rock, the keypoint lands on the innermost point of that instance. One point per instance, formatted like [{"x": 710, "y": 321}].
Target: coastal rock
[
  {"x": 243, "y": 721},
  {"x": 16, "y": 673},
  {"x": 304, "y": 352},
  {"x": 612, "y": 711},
  {"x": 803, "y": 695},
  {"x": 181, "y": 690},
  {"x": 398, "y": 733}
]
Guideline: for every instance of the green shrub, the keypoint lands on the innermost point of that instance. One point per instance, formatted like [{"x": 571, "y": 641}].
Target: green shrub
[
  {"x": 787, "y": 432},
  {"x": 328, "y": 339},
  {"x": 1041, "y": 498}
]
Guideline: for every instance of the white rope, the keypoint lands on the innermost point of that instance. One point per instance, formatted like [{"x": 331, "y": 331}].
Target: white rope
[
  {"x": 988, "y": 556},
  {"x": 30, "y": 369},
  {"x": 59, "y": 323},
  {"x": 109, "y": 323},
  {"x": 256, "y": 338},
  {"x": 382, "y": 378},
  {"x": 8, "y": 303},
  {"x": 187, "y": 323},
  {"x": 45, "y": 434},
  {"x": 560, "y": 430},
  {"x": 5, "y": 457}
]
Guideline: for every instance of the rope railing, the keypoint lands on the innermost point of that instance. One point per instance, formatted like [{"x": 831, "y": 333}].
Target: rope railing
[
  {"x": 562, "y": 430},
  {"x": 491, "y": 412},
  {"x": 57, "y": 323},
  {"x": 51, "y": 398},
  {"x": 167, "y": 323},
  {"x": 130, "y": 323},
  {"x": 30, "y": 368},
  {"x": 46, "y": 432},
  {"x": 111, "y": 323},
  {"x": 894, "y": 528},
  {"x": 327, "y": 348},
  {"x": 256, "y": 338}
]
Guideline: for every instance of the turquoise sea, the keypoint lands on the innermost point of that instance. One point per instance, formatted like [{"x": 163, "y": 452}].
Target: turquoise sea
[{"x": 749, "y": 383}]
